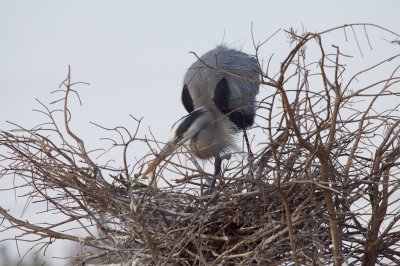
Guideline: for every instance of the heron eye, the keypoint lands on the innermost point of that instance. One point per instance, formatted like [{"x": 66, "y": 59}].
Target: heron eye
[
  {"x": 178, "y": 138},
  {"x": 196, "y": 137}
]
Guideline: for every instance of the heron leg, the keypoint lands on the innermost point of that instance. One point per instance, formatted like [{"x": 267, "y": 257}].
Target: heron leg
[
  {"x": 250, "y": 156},
  {"x": 217, "y": 170}
]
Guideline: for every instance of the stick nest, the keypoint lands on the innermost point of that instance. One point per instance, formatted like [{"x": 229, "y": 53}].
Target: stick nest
[{"x": 321, "y": 188}]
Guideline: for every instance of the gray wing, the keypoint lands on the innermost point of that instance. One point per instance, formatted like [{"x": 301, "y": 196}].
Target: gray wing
[{"x": 230, "y": 93}]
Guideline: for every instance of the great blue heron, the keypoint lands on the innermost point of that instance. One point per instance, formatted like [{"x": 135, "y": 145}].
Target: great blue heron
[{"x": 219, "y": 94}]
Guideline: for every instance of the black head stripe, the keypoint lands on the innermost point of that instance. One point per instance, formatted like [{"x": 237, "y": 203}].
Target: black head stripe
[{"x": 187, "y": 122}]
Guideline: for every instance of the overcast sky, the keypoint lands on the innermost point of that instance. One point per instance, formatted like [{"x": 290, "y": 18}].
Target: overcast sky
[{"x": 134, "y": 53}]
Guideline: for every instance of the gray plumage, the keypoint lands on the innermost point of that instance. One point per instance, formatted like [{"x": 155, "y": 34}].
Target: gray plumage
[
  {"x": 202, "y": 80},
  {"x": 219, "y": 94}
]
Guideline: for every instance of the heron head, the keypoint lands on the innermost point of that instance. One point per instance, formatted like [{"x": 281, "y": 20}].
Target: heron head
[{"x": 183, "y": 130}]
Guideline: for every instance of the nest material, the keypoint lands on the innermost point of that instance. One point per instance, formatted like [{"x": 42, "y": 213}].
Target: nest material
[
  {"x": 234, "y": 226},
  {"x": 321, "y": 189}
]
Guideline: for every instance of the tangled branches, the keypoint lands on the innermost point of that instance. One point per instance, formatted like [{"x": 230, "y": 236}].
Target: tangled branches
[{"x": 322, "y": 187}]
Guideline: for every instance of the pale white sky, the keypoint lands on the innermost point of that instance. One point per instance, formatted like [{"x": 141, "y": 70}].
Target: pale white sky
[{"x": 134, "y": 53}]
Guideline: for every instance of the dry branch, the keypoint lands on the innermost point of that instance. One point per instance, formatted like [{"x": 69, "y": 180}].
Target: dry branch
[{"x": 321, "y": 189}]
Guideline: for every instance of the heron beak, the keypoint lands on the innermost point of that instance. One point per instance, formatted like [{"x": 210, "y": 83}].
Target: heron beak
[{"x": 168, "y": 149}]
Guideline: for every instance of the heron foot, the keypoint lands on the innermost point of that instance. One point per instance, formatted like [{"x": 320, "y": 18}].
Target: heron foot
[{"x": 209, "y": 186}]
